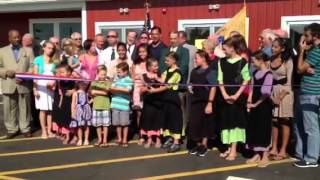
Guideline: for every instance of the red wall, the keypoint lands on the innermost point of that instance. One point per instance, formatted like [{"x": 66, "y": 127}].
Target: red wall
[
  {"x": 262, "y": 13},
  {"x": 20, "y": 21}
]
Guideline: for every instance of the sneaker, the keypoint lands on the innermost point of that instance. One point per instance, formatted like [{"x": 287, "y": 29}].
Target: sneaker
[
  {"x": 167, "y": 144},
  {"x": 305, "y": 164},
  {"x": 202, "y": 151},
  {"x": 174, "y": 148},
  {"x": 194, "y": 150}
]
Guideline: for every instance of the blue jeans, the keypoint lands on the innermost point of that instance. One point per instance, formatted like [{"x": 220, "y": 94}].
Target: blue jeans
[{"x": 310, "y": 114}]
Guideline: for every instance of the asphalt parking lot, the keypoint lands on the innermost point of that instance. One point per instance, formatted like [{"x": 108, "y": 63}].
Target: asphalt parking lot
[{"x": 39, "y": 159}]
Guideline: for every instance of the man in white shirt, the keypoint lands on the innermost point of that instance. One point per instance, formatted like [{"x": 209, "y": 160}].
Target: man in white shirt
[
  {"x": 131, "y": 45},
  {"x": 110, "y": 53},
  {"x": 100, "y": 41}
]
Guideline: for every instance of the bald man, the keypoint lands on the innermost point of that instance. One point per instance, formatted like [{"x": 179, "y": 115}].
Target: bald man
[
  {"x": 16, "y": 92},
  {"x": 28, "y": 41}
]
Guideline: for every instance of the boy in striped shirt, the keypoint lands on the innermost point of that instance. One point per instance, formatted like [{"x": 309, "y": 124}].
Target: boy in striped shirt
[{"x": 120, "y": 101}]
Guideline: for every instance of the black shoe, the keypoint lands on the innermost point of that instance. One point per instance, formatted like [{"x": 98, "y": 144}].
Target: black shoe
[
  {"x": 27, "y": 135},
  {"x": 305, "y": 164},
  {"x": 167, "y": 144},
  {"x": 174, "y": 148},
  {"x": 202, "y": 151},
  {"x": 194, "y": 150},
  {"x": 9, "y": 136}
]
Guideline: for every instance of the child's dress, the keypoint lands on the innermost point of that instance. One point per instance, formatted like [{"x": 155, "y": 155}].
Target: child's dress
[
  {"x": 83, "y": 111},
  {"x": 151, "y": 117},
  {"x": 260, "y": 120},
  {"x": 139, "y": 70},
  {"x": 61, "y": 114},
  {"x": 45, "y": 100},
  {"x": 172, "y": 113}
]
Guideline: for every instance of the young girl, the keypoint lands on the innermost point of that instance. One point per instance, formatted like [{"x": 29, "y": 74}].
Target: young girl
[
  {"x": 43, "y": 89},
  {"x": 281, "y": 66},
  {"x": 233, "y": 70},
  {"x": 259, "y": 105},
  {"x": 138, "y": 69},
  {"x": 172, "y": 113},
  {"x": 122, "y": 52},
  {"x": 201, "y": 120},
  {"x": 70, "y": 57},
  {"x": 151, "y": 118},
  {"x": 101, "y": 106},
  {"x": 81, "y": 113},
  {"x": 121, "y": 89},
  {"x": 62, "y": 103}
]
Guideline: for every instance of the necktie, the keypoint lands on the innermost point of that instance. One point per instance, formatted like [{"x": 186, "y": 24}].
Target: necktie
[
  {"x": 16, "y": 53},
  {"x": 129, "y": 46},
  {"x": 113, "y": 54}
]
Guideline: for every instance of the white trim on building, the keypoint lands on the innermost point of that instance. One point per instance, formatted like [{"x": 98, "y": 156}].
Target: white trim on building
[
  {"x": 286, "y": 21},
  {"x": 41, "y": 6},
  {"x": 84, "y": 22}
]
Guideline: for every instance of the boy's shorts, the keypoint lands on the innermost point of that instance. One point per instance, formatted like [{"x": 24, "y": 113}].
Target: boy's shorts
[{"x": 120, "y": 118}]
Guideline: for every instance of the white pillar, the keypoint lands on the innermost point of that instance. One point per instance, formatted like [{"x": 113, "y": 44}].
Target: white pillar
[{"x": 84, "y": 21}]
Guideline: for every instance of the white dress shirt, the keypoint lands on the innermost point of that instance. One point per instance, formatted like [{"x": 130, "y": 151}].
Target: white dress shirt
[
  {"x": 129, "y": 52},
  {"x": 105, "y": 56}
]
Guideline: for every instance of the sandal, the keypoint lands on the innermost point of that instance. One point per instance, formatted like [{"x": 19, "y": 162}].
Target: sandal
[
  {"x": 97, "y": 144},
  {"x": 118, "y": 143},
  {"x": 280, "y": 157},
  {"x": 104, "y": 145},
  {"x": 79, "y": 143},
  {"x": 225, "y": 154},
  {"x": 231, "y": 158},
  {"x": 125, "y": 144},
  {"x": 86, "y": 143}
]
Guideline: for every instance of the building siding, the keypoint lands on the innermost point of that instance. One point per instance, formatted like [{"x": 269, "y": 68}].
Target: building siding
[
  {"x": 20, "y": 21},
  {"x": 262, "y": 14}
]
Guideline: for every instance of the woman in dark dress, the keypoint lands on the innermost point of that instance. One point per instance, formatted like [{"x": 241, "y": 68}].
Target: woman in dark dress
[
  {"x": 233, "y": 77},
  {"x": 260, "y": 106},
  {"x": 61, "y": 113},
  {"x": 151, "y": 118},
  {"x": 201, "y": 123}
]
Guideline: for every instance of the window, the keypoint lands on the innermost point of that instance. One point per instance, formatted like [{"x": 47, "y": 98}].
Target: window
[
  {"x": 122, "y": 27},
  {"x": 294, "y": 25},
  {"x": 43, "y": 29},
  {"x": 202, "y": 28}
]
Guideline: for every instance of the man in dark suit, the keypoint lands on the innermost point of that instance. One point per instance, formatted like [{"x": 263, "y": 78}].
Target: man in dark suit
[
  {"x": 16, "y": 92},
  {"x": 131, "y": 45},
  {"x": 183, "y": 56}
]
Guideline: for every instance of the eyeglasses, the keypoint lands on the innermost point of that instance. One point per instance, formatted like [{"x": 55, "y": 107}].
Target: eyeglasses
[
  {"x": 77, "y": 39},
  {"x": 143, "y": 37},
  {"x": 111, "y": 36}
]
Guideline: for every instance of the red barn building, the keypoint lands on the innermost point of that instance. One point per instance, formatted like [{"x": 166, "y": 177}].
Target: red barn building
[{"x": 199, "y": 18}]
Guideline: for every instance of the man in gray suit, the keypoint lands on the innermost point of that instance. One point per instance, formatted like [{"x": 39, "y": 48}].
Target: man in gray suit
[
  {"x": 16, "y": 92},
  {"x": 192, "y": 53},
  {"x": 192, "y": 50}
]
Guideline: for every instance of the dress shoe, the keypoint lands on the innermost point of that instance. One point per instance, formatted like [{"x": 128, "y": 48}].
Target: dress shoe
[
  {"x": 8, "y": 136},
  {"x": 27, "y": 134}
]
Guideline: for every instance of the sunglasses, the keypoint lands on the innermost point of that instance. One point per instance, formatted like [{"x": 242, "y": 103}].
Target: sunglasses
[
  {"x": 143, "y": 37},
  {"x": 111, "y": 36},
  {"x": 77, "y": 39}
]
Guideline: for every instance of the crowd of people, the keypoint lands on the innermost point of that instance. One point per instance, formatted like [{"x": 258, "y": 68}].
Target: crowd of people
[{"x": 223, "y": 93}]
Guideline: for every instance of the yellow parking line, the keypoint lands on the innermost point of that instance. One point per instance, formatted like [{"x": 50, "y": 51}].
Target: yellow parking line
[
  {"x": 91, "y": 163},
  {"x": 10, "y": 178},
  {"x": 53, "y": 150},
  {"x": 208, "y": 171},
  {"x": 19, "y": 139}
]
